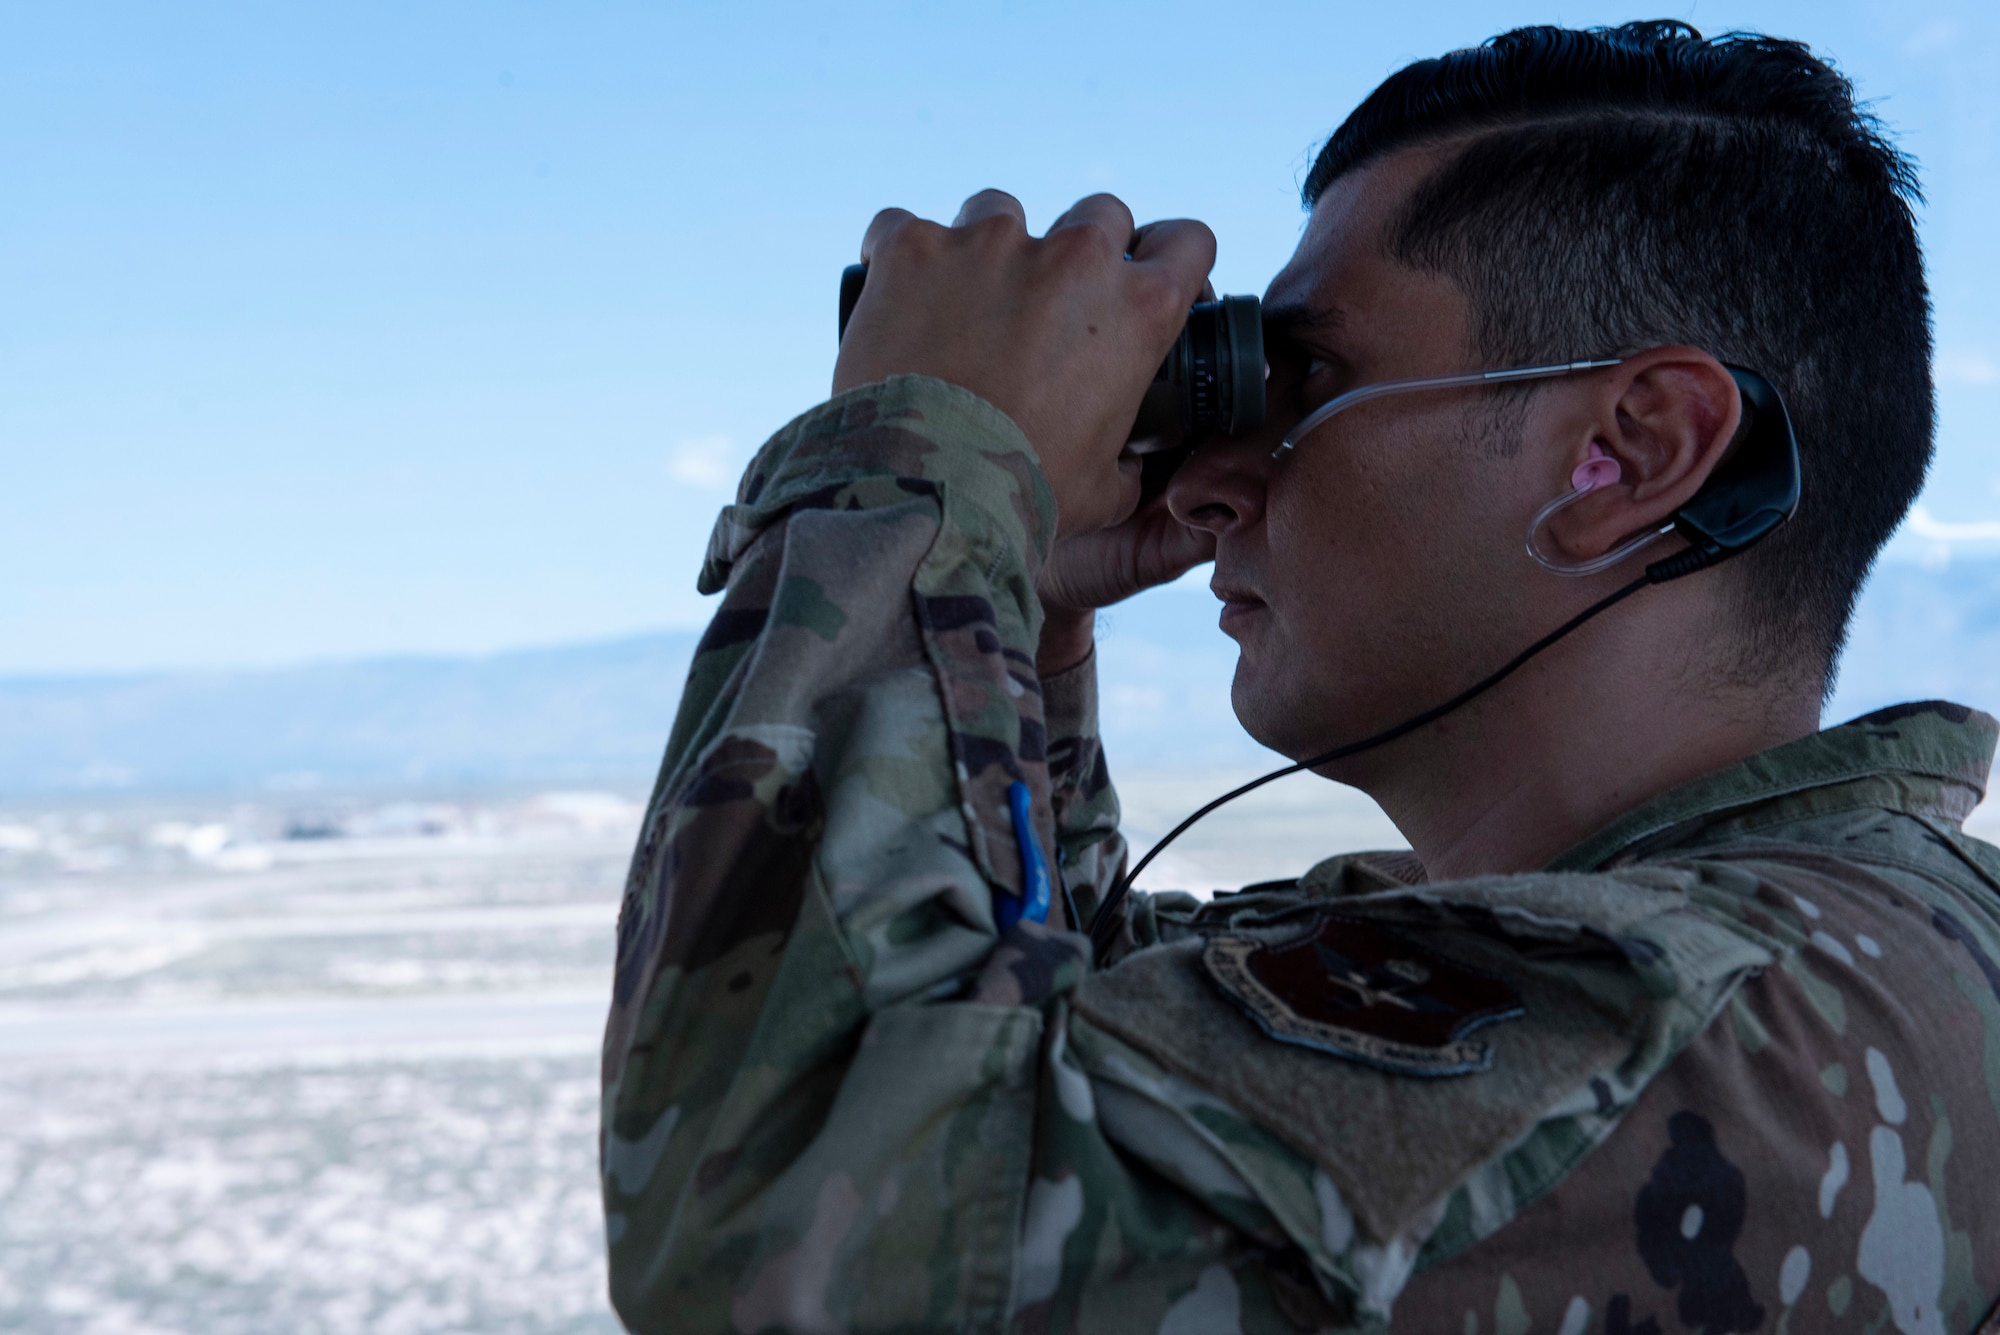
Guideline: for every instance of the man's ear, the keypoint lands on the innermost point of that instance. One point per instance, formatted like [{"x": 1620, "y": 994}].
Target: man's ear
[{"x": 1667, "y": 416}]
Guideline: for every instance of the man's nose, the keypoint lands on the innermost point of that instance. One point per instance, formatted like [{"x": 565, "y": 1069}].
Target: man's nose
[{"x": 1221, "y": 486}]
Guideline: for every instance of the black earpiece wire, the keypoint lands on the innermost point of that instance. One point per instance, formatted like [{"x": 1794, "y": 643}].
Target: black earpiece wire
[{"x": 1104, "y": 923}]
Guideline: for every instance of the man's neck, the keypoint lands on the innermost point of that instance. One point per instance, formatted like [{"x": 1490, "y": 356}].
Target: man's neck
[{"x": 1516, "y": 779}]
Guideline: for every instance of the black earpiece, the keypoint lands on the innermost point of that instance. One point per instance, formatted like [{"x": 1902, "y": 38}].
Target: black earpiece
[{"x": 1752, "y": 491}]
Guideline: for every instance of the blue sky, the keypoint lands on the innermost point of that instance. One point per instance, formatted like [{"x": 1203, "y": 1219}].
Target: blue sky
[{"x": 343, "y": 330}]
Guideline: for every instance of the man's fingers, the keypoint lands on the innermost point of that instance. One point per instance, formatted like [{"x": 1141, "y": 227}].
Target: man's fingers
[
  {"x": 1130, "y": 489},
  {"x": 1106, "y": 212},
  {"x": 1183, "y": 548},
  {"x": 1182, "y": 248},
  {"x": 991, "y": 204},
  {"x": 885, "y": 224}
]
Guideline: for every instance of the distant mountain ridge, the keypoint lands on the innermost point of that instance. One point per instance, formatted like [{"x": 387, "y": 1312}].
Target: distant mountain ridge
[
  {"x": 576, "y": 713},
  {"x": 599, "y": 713}
]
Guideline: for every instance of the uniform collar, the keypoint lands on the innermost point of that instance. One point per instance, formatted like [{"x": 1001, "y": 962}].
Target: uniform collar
[{"x": 1948, "y": 748}]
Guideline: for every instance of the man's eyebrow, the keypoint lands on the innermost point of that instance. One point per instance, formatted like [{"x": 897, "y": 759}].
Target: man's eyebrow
[{"x": 1298, "y": 315}]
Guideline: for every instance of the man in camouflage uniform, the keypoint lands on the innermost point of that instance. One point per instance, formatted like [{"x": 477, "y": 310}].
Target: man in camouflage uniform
[{"x": 1680, "y": 1014}]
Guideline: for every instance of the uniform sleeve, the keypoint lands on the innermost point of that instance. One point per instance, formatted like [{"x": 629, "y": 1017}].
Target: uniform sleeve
[
  {"x": 1090, "y": 850},
  {"x": 822, "y": 1082}
]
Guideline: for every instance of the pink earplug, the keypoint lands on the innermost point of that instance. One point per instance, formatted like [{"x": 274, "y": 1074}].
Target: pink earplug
[{"x": 1599, "y": 470}]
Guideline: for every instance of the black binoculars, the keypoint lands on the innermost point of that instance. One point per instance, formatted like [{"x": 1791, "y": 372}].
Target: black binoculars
[{"x": 1212, "y": 380}]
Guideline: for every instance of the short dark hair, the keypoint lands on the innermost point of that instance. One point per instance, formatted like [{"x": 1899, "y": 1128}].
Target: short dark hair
[{"x": 1620, "y": 188}]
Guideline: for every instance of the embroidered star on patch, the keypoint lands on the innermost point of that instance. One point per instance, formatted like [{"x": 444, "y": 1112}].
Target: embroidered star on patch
[{"x": 1358, "y": 990}]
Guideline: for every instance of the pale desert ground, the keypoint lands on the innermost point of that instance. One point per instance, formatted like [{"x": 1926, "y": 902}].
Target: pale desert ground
[{"x": 344, "y": 1081}]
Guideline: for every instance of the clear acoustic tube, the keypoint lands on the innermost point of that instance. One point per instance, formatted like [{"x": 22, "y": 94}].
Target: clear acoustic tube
[{"x": 1342, "y": 402}]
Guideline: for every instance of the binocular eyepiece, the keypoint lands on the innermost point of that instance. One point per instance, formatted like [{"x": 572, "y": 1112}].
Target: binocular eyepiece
[{"x": 1212, "y": 380}]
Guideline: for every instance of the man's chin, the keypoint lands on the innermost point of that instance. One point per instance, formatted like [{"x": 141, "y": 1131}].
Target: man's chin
[
  {"x": 1263, "y": 715},
  {"x": 1283, "y": 716}
]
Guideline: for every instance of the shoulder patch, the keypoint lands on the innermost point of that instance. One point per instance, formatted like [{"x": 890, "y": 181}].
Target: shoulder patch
[
  {"x": 1391, "y": 1144},
  {"x": 1362, "y": 991},
  {"x": 1614, "y": 975}
]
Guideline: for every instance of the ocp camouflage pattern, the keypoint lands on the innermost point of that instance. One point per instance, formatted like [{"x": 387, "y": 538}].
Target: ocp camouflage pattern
[{"x": 1755, "y": 1084}]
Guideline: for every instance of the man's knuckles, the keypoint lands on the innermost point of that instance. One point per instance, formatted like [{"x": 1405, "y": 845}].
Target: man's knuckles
[
  {"x": 990, "y": 203},
  {"x": 1079, "y": 248},
  {"x": 992, "y": 236},
  {"x": 911, "y": 241},
  {"x": 881, "y": 229},
  {"x": 1105, "y": 211}
]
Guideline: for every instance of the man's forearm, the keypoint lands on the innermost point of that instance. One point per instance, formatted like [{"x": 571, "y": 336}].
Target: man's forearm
[
  {"x": 1067, "y": 639},
  {"x": 1090, "y": 852}
]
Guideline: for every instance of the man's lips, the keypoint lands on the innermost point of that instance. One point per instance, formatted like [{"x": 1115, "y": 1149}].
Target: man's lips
[{"x": 1237, "y": 602}]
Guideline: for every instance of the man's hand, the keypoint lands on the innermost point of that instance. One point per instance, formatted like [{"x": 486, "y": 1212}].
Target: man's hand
[
  {"x": 1062, "y": 332},
  {"x": 1093, "y": 570}
]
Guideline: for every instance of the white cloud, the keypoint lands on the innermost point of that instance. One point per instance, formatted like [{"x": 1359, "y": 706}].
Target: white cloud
[
  {"x": 706, "y": 461},
  {"x": 1968, "y": 366},
  {"x": 1923, "y": 524},
  {"x": 1930, "y": 541}
]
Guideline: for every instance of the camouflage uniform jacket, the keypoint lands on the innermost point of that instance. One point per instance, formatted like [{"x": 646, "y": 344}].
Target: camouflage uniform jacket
[{"x": 1732, "y": 1064}]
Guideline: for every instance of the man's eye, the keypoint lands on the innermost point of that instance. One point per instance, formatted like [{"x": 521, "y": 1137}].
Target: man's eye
[{"x": 1314, "y": 368}]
